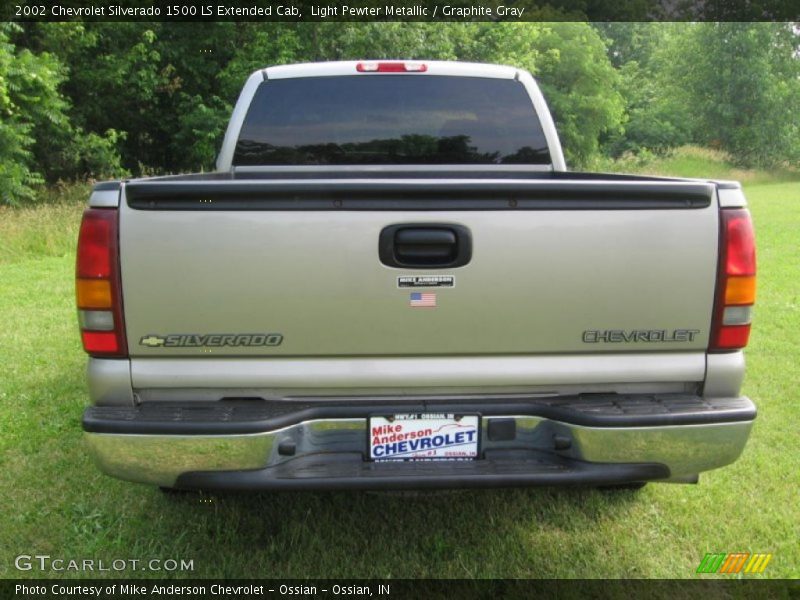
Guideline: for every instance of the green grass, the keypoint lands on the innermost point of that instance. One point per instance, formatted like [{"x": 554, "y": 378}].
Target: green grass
[
  {"x": 46, "y": 229},
  {"x": 54, "y": 501},
  {"x": 701, "y": 163}
]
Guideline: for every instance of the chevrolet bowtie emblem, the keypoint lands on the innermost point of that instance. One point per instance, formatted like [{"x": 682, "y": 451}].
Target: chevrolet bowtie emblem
[{"x": 152, "y": 341}]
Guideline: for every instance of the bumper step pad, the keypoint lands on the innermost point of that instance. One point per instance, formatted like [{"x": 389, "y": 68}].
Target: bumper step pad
[
  {"x": 500, "y": 468},
  {"x": 238, "y": 416}
]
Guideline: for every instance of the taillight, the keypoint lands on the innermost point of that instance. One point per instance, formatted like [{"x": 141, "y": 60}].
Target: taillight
[
  {"x": 391, "y": 67},
  {"x": 97, "y": 284},
  {"x": 736, "y": 282}
]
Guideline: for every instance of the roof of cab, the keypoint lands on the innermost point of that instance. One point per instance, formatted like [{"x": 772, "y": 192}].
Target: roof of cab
[{"x": 434, "y": 67}]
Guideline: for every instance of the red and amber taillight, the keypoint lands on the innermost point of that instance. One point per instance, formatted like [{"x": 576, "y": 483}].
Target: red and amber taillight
[
  {"x": 97, "y": 284},
  {"x": 736, "y": 282}
]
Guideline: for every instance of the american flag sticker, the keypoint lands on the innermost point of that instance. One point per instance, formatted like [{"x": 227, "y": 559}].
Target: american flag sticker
[{"x": 422, "y": 300}]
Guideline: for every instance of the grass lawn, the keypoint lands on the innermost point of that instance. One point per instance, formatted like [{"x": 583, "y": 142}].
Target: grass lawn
[{"x": 54, "y": 501}]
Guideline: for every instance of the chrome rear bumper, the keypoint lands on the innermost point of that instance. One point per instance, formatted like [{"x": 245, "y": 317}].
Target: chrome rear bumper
[{"x": 322, "y": 445}]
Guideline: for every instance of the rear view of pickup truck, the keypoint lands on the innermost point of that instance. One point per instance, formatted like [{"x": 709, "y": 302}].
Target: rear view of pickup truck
[{"x": 392, "y": 281}]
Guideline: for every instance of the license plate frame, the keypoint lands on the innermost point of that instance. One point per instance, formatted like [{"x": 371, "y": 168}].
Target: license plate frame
[{"x": 411, "y": 437}]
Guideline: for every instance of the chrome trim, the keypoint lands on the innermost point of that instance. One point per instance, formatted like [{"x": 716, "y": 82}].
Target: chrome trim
[
  {"x": 160, "y": 459},
  {"x": 686, "y": 449}
]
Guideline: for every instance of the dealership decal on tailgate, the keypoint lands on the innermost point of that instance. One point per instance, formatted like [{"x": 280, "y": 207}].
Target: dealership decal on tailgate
[{"x": 424, "y": 437}]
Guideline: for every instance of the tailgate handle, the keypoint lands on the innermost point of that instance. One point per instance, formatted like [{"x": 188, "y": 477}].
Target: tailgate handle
[
  {"x": 425, "y": 246},
  {"x": 432, "y": 245}
]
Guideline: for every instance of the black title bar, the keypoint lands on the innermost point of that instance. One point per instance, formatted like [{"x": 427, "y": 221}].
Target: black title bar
[
  {"x": 401, "y": 10},
  {"x": 397, "y": 589}
]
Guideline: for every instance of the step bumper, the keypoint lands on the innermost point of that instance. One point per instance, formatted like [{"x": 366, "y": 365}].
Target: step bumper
[{"x": 288, "y": 445}]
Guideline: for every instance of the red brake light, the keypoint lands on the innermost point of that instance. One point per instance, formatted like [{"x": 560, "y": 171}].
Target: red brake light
[
  {"x": 736, "y": 282},
  {"x": 94, "y": 244},
  {"x": 741, "y": 259},
  {"x": 99, "y": 342},
  {"x": 98, "y": 287},
  {"x": 391, "y": 67},
  {"x": 733, "y": 336}
]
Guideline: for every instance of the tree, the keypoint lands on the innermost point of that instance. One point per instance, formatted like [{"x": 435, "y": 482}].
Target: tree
[
  {"x": 740, "y": 88},
  {"x": 62, "y": 148},
  {"x": 147, "y": 87},
  {"x": 581, "y": 87},
  {"x": 30, "y": 106},
  {"x": 570, "y": 63},
  {"x": 655, "y": 115}
]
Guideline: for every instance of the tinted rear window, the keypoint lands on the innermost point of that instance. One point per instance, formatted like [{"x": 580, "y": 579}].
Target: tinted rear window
[{"x": 393, "y": 119}]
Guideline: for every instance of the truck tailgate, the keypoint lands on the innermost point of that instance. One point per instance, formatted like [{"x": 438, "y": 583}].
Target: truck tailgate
[{"x": 292, "y": 267}]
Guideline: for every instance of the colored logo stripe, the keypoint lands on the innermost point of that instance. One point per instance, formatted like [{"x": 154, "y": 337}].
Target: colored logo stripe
[
  {"x": 711, "y": 563},
  {"x": 758, "y": 563},
  {"x": 733, "y": 562}
]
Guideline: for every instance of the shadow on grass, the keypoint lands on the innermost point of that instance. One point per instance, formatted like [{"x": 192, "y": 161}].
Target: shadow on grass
[{"x": 460, "y": 533}]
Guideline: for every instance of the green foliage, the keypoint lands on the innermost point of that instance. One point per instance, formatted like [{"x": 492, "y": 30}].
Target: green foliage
[
  {"x": 29, "y": 104},
  {"x": 38, "y": 141},
  {"x": 655, "y": 122},
  {"x": 130, "y": 78},
  {"x": 581, "y": 88},
  {"x": 695, "y": 162},
  {"x": 731, "y": 86},
  {"x": 655, "y": 119},
  {"x": 95, "y": 156},
  {"x": 259, "y": 46},
  {"x": 138, "y": 98},
  {"x": 352, "y": 41},
  {"x": 201, "y": 124},
  {"x": 194, "y": 72},
  {"x": 741, "y": 85}
]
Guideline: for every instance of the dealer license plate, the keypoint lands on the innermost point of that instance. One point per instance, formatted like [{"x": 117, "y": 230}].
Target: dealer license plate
[{"x": 424, "y": 437}]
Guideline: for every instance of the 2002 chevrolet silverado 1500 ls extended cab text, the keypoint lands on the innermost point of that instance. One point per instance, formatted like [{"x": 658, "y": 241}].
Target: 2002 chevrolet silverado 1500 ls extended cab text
[{"x": 392, "y": 281}]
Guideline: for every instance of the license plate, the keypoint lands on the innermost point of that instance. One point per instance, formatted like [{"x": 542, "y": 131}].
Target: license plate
[{"x": 423, "y": 437}]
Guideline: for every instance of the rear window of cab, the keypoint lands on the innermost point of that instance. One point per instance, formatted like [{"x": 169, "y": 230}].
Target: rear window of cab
[{"x": 391, "y": 119}]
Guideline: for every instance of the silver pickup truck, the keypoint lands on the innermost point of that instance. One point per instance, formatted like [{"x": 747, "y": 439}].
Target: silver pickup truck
[{"x": 392, "y": 281}]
